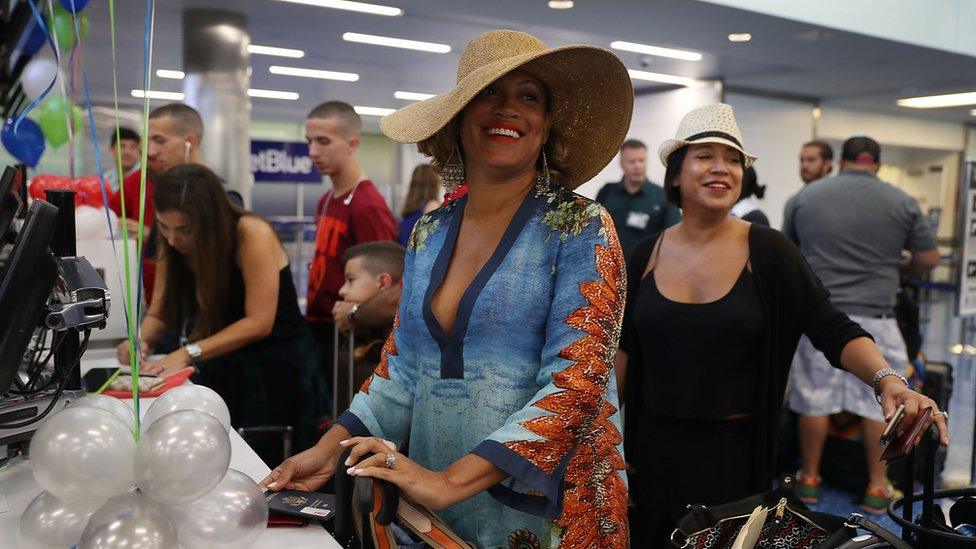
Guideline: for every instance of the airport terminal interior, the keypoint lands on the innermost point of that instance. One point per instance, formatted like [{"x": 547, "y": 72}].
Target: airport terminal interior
[{"x": 457, "y": 273}]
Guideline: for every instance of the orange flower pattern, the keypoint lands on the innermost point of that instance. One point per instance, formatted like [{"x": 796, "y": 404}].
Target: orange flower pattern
[{"x": 595, "y": 503}]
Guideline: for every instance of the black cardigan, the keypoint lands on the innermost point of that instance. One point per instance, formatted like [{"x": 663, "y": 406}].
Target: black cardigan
[{"x": 794, "y": 302}]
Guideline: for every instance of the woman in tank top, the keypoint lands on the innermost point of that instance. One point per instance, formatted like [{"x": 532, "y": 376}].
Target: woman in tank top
[
  {"x": 715, "y": 308},
  {"x": 223, "y": 278}
]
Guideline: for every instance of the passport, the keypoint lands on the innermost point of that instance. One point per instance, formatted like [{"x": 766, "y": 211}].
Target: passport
[{"x": 309, "y": 505}]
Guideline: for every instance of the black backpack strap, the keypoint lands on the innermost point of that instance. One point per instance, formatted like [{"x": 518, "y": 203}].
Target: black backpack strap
[{"x": 869, "y": 525}]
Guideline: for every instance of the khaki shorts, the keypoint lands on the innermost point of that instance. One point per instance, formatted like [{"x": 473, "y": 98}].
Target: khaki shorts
[{"x": 819, "y": 389}]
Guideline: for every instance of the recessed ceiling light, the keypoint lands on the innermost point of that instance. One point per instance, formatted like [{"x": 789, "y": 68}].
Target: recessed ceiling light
[
  {"x": 314, "y": 73},
  {"x": 272, "y": 94},
  {"x": 412, "y": 96},
  {"x": 740, "y": 37},
  {"x": 561, "y": 4},
  {"x": 684, "y": 55},
  {"x": 396, "y": 42},
  {"x": 175, "y": 75},
  {"x": 663, "y": 78},
  {"x": 936, "y": 101},
  {"x": 372, "y": 111},
  {"x": 152, "y": 94},
  {"x": 272, "y": 50},
  {"x": 361, "y": 7}
]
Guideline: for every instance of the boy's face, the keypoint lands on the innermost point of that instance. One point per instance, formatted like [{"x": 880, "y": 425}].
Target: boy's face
[{"x": 360, "y": 284}]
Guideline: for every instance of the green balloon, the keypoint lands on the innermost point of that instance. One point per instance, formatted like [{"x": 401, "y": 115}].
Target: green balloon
[
  {"x": 64, "y": 27},
  {"x": 54, "y": 123}
]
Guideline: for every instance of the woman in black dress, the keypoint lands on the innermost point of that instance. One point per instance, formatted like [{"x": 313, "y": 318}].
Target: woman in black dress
[{"x": 715, "y": 308}]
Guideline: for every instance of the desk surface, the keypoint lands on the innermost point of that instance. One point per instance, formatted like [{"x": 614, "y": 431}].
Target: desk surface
[{"x": 18, "y": 489}]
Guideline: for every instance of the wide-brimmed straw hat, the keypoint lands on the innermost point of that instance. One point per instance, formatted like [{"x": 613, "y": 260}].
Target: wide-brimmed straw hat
[
  {"x": 709, "y": 124},
  {"x": 592, "y": 97}
]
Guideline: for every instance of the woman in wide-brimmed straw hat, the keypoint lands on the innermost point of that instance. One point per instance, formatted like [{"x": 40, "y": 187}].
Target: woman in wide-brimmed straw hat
[
  {"x": 716, "y": 308},
  {"x": 500, "y": 367}
]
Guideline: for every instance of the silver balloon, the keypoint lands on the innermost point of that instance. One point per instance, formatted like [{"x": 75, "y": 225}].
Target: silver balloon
[
  {"x": 181, "y": 457},
  {"x": 50, "y": 523},
  {"x": 234, "y": 514},
  {"x": 118, "y": 408},
  {"x": 129, "y": 521},
  {"x": 188, "y": 397},
  {"x": 83, "y": 455}
]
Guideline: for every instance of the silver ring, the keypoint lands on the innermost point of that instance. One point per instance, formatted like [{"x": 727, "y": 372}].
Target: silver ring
[
  {"x": 945, "y": 414},
  {"x": 390, "y": 461}
]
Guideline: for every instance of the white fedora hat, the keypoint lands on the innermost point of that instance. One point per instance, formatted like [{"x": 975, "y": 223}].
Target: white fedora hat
[{"x": 709, "y": 124}]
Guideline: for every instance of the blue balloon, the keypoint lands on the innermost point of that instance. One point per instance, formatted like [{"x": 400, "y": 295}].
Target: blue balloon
[
  {"x": 78, "y": 5},
  {"x": 26, "y": 144},
  {"x": 35, "y": 41}
]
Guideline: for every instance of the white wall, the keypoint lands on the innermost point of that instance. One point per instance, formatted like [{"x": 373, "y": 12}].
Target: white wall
[
  {"x": 941, "y": 24},
  {"x": 774, "y": 130},
  {"x": 839, "y": 122},
  {"x": 656, "y": 118}
]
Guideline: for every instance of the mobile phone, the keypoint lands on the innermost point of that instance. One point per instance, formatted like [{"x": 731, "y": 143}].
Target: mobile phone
[
  {"x": 892, "y": 426},
  {"x": 97, "y": 379}
]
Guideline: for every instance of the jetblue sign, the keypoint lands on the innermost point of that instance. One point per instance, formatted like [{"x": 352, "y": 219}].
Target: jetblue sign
[{"x": 282, "y": 162}]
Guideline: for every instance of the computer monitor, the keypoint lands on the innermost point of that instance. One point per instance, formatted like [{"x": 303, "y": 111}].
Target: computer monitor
[
  {"x": 11, "y": 182},
  {"x": 25, "y": 286}
]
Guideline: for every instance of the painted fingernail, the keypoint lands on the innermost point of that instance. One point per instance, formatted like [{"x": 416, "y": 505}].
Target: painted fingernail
[
  {"x": 273, "y": 485},
  {"x": 348, "y": 461},
  {"x": 343, "y": 442}
]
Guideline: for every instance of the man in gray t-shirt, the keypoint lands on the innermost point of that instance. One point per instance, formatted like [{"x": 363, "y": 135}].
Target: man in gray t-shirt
[{"x": 852, "y": 228}]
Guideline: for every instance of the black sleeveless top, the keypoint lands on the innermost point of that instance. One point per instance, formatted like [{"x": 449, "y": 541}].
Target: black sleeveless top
[
  {"x": 700, "y": 360},
  {"x": 289, "y": 321}
]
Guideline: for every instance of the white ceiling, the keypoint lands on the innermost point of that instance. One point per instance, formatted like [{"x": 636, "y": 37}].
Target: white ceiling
[{"x": 784, "y": 57}]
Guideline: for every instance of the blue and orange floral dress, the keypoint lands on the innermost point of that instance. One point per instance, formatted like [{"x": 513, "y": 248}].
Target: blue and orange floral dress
[{"x": 524, "y": 380}]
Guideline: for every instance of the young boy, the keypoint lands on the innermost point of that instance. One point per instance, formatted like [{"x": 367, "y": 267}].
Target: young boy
[{"x": 370, "y": 269}]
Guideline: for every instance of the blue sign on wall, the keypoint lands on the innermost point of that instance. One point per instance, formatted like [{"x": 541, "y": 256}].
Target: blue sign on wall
[{"x": 282, "y": 162}]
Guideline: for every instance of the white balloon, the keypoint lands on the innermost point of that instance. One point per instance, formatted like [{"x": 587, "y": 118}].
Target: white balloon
[
  {"x": 129, "y": 521},
  {"x": 182, "y": 456},
  {"x": 90, "y": 224},
  {"x": 37, "y": 76},
  {"x": 118, "y": 408},
  {"x": 83, "y": 454},
  {"x": 50, "y": 523},
  {"x": 234, "y": 514},
  {"x": 188, "y": 397}
]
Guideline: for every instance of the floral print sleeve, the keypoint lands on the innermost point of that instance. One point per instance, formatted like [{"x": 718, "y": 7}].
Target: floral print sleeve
[{"x": 562, "y": 449}]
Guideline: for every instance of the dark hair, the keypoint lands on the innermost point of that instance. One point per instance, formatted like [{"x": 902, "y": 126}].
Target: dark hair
[
  {"x": 857, "y": 148},
  {"x": 379, "y": 257},
  {"x": 203, "y": 275},
  {"x": 750, "y": 185},
  {"x": 424, "y": 187},
  {"x": 352, "y": 124},
  {"x": 633, "y": 144},
  {"x": 672, "y": 193},
  {"x": 826, "y": 151},
  {"x": 186, "y": 117},
  {"x": 124, "y": 134}
]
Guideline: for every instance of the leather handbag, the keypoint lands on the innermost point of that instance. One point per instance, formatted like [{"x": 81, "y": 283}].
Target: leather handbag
[{"x": 775, "y": 520}]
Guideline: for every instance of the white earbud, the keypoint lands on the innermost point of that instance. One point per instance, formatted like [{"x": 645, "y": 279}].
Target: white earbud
[{"x": 186, "y": 151}]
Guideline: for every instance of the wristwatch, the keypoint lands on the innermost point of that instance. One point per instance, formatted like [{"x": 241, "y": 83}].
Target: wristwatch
[
  {"x": 194, "y": 351},
  {"x": 883, "y": 374},
  {"x": 352, "y": 313}
]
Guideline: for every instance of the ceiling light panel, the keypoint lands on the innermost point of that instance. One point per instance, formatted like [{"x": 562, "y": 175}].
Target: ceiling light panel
[
  {"x": 372, "y": 111},
  {"x": 173, "y": 75},
  {"x": 276, "y": 51},
  {"x": 361, "y": 7},
  {"x": 396, "y": 42},
  {"x": 740, "y": 37},
  {"x": 273, "y": 94},
  {"x": 684, "y": 55},
  {"x": 939, "y": 101},
  {"x": 314, "y": 73},
  {"x": 153, "y": 94},
  {"x": 412, "y": 96},
  {"x": 662, "y": 78}
]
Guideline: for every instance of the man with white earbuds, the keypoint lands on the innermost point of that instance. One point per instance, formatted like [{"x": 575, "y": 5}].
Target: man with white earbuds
[{"x": 352, "y": 212}]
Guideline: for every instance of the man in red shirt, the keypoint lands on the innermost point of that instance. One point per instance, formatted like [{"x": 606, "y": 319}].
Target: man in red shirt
[{"x": 350, "y": 213}]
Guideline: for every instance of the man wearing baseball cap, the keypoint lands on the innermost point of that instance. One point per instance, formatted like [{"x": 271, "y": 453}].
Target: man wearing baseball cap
[{"x": 853, "y": 228}]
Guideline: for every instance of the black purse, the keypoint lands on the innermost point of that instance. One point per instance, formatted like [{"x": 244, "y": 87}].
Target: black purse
[{"x": 786, "y": 523}]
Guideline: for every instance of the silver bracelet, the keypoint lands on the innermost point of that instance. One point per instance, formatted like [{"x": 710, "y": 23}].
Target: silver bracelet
[{"x": 883, "y": 374}]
